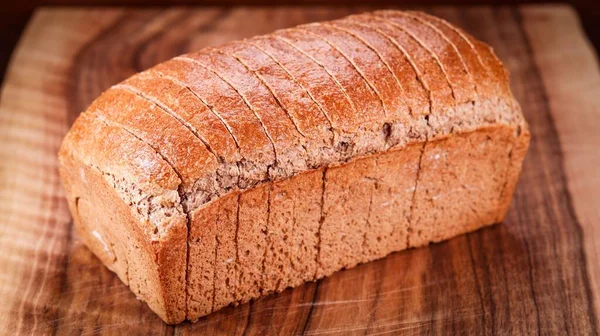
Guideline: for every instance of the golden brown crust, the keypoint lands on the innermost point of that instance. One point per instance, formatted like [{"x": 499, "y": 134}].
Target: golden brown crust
[
  {"x": 112, "y": 150},
  {"x": 188, "y": 109},
  {"x": 319, "y": 84},
  {"x": 432, "y": 74},
  {"x": 254, "y": 146},
  {"x": 462, "y": 46},
  {"x": 444, "y": 52},
  {"x": 151, "y": 124},
  {"x": 363, "y": 99},
  {"x": 380, "y": 79},
  {"x": 308, "y": 118},
  {"x": 277, "y": 124},
  {"x": 414, "y": 92}
]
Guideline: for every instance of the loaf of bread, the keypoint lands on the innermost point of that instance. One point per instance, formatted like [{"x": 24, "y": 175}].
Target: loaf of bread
[{"x": 230, "y": 173}]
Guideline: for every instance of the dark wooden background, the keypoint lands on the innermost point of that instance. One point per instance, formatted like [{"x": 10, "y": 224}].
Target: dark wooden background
[{"x": 14, "y": 14}]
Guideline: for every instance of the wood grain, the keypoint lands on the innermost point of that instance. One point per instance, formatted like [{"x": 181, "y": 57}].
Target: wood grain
[{"x": 539, "y": 272}]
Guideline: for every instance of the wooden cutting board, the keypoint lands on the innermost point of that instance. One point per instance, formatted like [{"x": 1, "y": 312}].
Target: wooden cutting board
[{"x": 539, "y": 272}]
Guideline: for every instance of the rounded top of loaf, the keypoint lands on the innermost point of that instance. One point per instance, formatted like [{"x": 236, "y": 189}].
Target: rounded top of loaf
[{"x": 203, "y": 124}]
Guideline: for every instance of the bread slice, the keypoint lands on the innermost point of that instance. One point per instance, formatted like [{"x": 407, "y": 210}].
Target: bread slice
[{"x": 230, "y": 173}]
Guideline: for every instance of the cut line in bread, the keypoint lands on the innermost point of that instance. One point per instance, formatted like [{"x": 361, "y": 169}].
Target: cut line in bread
[
  {"x": 307, "y": 28},
  {"x": 241, "y": 96},
  {"x": 337, "y": 25}
]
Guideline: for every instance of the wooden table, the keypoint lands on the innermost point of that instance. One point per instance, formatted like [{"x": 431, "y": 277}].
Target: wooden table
[{"x": 539, "y": 272}]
